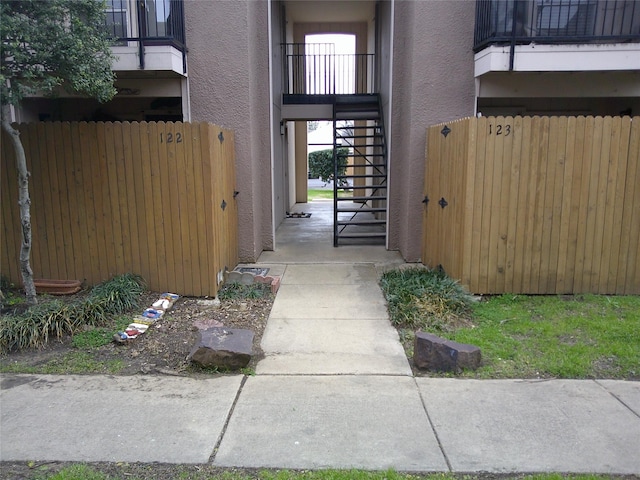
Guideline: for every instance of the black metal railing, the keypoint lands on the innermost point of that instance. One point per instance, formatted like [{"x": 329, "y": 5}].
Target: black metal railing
[
  {"x": 517, "y": 22},
  {"x": 147, "y": 22},
  {"x": 315, "y": 69}
]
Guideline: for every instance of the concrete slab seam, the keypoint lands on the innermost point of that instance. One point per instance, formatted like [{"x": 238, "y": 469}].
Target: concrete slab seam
[
  {"x": 212, "y": 457},
  {"x": 637, "y": 414},
  {"x": 433, "y": 427}
]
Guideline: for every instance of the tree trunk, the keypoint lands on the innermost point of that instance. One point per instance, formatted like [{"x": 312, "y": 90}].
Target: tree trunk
[{"x": 25, "y": 209}]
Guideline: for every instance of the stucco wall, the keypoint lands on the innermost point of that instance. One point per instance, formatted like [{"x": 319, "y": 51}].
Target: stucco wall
[
  {"x": 432, "y": 82},
  {"x": 229, "y": 78}
]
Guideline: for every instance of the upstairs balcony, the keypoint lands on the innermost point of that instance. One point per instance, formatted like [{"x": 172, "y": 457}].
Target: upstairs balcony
[
  {"x": 557, "y": 35},
  {"x": 149, "y": 35}
]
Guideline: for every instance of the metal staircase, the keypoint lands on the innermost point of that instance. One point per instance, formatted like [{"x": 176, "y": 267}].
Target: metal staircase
[{"x": 360, "y": 192}]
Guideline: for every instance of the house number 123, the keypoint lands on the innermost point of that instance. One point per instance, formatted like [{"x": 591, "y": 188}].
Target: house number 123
[
  {"x": 500, "y": 129},
  {"x": 170, "y": 138}
]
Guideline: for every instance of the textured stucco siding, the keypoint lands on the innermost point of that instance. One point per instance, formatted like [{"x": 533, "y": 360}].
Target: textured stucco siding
[
  {"x": 229, "y": 86},
  {"x": 432, "y": 82}
]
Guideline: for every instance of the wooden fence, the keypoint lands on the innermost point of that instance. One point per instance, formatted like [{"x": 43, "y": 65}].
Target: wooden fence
[
  {"x": 156, "y": 199},
  {"x": 536, "y": 205}
]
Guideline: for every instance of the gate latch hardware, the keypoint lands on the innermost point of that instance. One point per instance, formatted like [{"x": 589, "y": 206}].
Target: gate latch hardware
[
  {"x": 442, "y": 202},
  {"x": 426, "y": 200}
]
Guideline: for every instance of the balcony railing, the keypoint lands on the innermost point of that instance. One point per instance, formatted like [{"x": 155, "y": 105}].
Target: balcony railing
[
  {"x": 517, "y": 22},
  {"x": 146, "y": 23},
  {"x": 314, "y": 69}
]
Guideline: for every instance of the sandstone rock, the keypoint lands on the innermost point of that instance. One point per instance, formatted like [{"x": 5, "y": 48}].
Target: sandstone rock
[
  {"x": 229, "y": 348},
  {"x": 434, "y": 353}
]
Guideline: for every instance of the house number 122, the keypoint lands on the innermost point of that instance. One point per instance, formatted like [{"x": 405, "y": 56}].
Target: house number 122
[{"x": 170, "y": 138}]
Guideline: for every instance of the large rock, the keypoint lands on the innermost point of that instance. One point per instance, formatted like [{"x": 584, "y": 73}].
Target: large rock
[
  {"x": 221, "y": 347},
  {"x": 431, "y": 352}
]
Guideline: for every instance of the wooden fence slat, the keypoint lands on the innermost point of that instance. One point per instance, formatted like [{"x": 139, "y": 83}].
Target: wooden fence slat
[
  {"x": 141, "y": 202},
  {"x": 608, "y": 199},
  {"x": 510, "y": 230},
  {"x": 502, "y": 206},
  {"x": 486, "y": 275},
  {"x": 207, "y": 137},
  {"x": 597, "y": 278},
  {"x": 157, "y": 193},
  {"x": 632, "y": 278},
  {"x": 183, "y": 203},
  {"x": 113, "y": 197},
  {"x": 523, "y": 209},
  {"x": 230, "y": 245},
  {"x": 469, "y": 186},
  {"x": 615, "y": 194},
  {"x": 571, "y": 202},
  {"x": 122, "y": 220},
  {"x": 63, "y": 164},
  {"x": 128, "y": 202},
  {"x": 88, "y": 162},
  {"x": 195, "y": 182},
  {"x": 478, "y": 195},
  {"x": 76, "y": 198},
  {"x": 558, "y": 170}
]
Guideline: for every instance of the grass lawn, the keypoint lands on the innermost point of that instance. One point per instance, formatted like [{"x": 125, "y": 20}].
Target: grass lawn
[
  {"x": 142, "y": 471},
  {"x": 522, "y": 336},
  {"x": 582, "y": 336},
  {"x": 321, "y": 194}
]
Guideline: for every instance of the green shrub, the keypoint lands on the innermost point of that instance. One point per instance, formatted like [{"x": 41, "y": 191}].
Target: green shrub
[
  {"x": 423, "y": 299},
  {"x": 321, "y": 163},
  {"x": 55, "y": 318}
]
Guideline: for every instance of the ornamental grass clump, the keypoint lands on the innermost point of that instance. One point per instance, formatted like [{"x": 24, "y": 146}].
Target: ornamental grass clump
[
  {"x": 427, "y": 300},
  {"x": 117, "y": 295},
  {"x": 233, "y": 291},
  {"x": 54, "y": 318}
]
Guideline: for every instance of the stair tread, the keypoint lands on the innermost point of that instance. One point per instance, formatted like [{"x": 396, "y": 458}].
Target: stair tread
[
  {"x": 362, "y": 209},
  {"x": 362, "y": 198},
  {"x": 364, "y": 175},
  {"x": 362, "y": 222},
  {"x": 361, "y": 235},
  {"x": 379, "y": 135}
]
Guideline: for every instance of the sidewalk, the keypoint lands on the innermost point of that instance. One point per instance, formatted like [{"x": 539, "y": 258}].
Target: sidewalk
[{"x": 334, "y": 391}]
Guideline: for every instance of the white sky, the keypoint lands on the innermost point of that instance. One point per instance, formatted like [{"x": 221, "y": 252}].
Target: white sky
[{"x": 344, "y": 44}]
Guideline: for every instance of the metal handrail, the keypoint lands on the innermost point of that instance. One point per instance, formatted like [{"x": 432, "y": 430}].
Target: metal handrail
[
  {"x": 314, "y": 69},
  {"x": 517, "y": 22}
]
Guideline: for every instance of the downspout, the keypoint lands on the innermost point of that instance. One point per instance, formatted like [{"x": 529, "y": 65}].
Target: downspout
[
  {"x": 512, "y": 49},
  {"x": 389, "y": 123},
  {"x": 141, "y": 12},
  {"x": 271, "y": 130}
]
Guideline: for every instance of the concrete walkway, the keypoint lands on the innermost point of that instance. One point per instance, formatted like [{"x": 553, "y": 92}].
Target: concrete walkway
[{"x": 334, "y": 390}]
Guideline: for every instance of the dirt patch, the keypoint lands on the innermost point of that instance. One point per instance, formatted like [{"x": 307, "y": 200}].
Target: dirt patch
[{"x": 164, "y": 348}]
